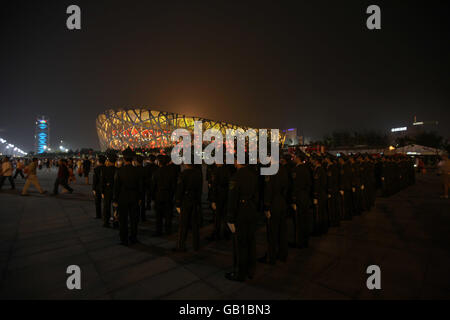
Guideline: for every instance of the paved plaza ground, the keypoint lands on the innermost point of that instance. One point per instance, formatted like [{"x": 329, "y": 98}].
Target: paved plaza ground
[{"x": 407, "y": 235}]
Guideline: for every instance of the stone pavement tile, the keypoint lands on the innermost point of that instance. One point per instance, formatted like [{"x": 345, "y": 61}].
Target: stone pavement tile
[
  {"x": 218, "y": 260},
  {"x": 200, "y": 269},
  {"x": 402, "y": 276},
  {"x": 368, "y": 252},
  {"x": 169, "y": 245},
  {"x": 330, "y": 244},
  {"x": 196, "y": 291},
  {"x": 8, "y": 226},
  {"x": 98, "y": 236},
  {"x": 154, "y": 241},
  {"x": 136, "y": 273},
  {"x": 158, "y": 285},
  {"x": 251, "y": 292},
  {"x": 430, "y": 292},
  {"x": 416, "y": 231},
  {"x": 278, "y": 279},
  {"x": 6, "y": 246},
  {"x": 56, "y": 255},
  {"x": 313, "y": 291},
  {"x": 38, "y": 281},
  {"x": 37, "y": 221},
  {"x": 122, "y": 261},
  {"x": 384, "y": 239},
  {"x": 92, "y": 287},
  {"x": 55, "y": 232},
  {"x": 42, "y": 226},
  {"x": 102, "y": 243},
  {"x": 44, "y": 239},
  {"x": 8, "y": 235},
  {"x": 36, "y": 248},
  {"x": 346, "y": 276},
  {"x": 111, "y": 251},
  {"x": 219, "y": 282},
  {"x": 313, "y": 263},
  {"x": 388, "y": 293},
  {"x": 438, "y": 271}
]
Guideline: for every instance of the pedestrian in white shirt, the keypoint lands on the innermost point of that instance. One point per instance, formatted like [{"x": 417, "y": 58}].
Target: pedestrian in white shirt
[{"x": 7, "y": 171}]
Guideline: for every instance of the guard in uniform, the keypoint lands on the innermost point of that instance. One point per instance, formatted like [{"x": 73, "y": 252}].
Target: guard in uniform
[
  {"x": 107, "y": 183},
  {"x": 301, "y": 200},
  {"x": 356, "y": 187},
  {"x": 149, "y": 170},
  {"x": 128, "y": 189},
  {"x": 332, "y": 190},
  {"x": 96, "y": 186},
  {"x": 242, "y": 219},
  {"x": 139, "y": 164},
  {"x": 162, "y": 186},
  {"x": 275, "y": 209},
  {"x": 187, "y": 198},
  {"x": 220, "y": 178},
  {"x": 319, "y": 191},
  {"x": 345, "y": 188}
]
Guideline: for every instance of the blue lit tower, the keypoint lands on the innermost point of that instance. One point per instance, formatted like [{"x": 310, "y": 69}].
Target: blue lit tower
[{"x": 41, "y": 134}]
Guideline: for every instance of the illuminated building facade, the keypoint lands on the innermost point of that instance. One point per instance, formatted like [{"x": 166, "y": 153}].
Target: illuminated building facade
[
  {"x": 146, "y": 128},
  {"x": 41, "y": 134}
]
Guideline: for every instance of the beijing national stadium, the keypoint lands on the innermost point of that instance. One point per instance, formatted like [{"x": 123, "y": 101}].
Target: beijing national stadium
[{"x": 146, "y": 128}]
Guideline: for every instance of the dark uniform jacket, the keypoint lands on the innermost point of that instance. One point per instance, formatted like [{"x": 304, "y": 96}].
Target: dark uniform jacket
[
  {"x": 301, "y": 185},
  {"x": 276, "y": 190},
  {"x": 243, "y": 196},
  {"x": 107, "y": 179},
  {"x": 219, "y": 179},
  {"x": 96, "y": 183},
  {"x": 163, "y": 184},
  {"x": 319, "y": 190},
  {"x": 128, "y": 185},
  {"x": 189, "y": 188}
]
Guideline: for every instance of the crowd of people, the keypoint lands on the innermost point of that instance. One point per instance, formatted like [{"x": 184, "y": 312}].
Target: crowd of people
[
  {"x": 313, "y": 192},
  {"x": 27, "y": 170}
]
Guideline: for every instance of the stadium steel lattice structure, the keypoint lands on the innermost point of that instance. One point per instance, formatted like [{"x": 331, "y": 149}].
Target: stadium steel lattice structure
[{"x": 146, "y": 128}]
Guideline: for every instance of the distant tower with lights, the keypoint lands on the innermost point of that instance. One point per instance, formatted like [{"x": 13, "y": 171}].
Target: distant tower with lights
[{"x": 41, "y": 134}]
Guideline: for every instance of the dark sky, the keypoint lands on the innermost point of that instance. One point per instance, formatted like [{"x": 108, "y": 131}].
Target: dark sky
[{"x": 307, "y": 64}]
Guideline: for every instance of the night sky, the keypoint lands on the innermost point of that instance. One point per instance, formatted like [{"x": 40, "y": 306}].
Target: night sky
[{"x": 307, "y": 64}]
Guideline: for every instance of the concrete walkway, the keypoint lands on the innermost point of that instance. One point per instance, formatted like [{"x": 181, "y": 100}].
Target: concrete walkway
[{"x": 407, "y": 235}]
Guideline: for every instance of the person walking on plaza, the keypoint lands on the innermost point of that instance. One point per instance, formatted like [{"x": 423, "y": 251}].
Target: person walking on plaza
[
  {"x": 128, "y": 188},
  {"x": 62, "y": 178},
  {"x": 96, "y": 186},
  {"x": 19, "y": 169},
  {"x": 80, "y": 167},
  {"x": 7, "y": 171},
  {"x": 444, "y": 168},
  {"x": 70, "y": 166},
  {"x": 30, "y": 171},
  {"x": 242, "y": 219}
]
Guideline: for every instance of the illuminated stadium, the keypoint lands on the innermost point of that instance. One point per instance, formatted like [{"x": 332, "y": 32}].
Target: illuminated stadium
[{"x": 146, "y": 128}]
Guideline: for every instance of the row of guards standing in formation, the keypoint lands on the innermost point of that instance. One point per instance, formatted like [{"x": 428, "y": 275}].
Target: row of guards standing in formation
[{"x": 316, "y": 191}]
